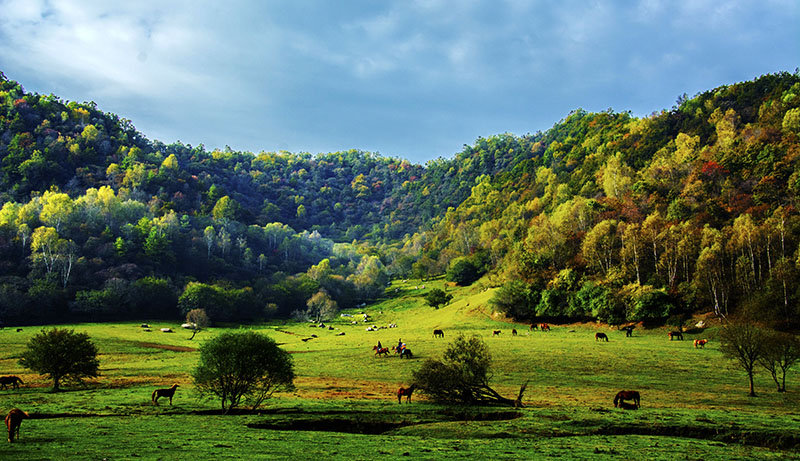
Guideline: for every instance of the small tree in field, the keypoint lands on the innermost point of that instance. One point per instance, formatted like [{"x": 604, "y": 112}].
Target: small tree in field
[
  {"x": 198, "y": 319},
  {"x": 437, "y": 297},
  {"x": 743, "y": 341},
  {"x": 462, "y": 375},
  {"x": 61, "y": 354},
  {"x": 781, "y": 352},
  {"x": 243, "y": 366}
]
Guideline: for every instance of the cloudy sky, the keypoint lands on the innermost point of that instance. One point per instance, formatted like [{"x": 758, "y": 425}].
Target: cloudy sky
[{"x": 411, "y": 79}]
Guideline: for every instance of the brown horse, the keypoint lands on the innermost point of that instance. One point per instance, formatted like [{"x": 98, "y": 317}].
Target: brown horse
[
  {"x": 514, "y": 332},
  {"x": 627, "y": 395},
  {"x": 675, "y": 334},
  {"x": 544, "y": 327},
  {"x": 438, "y": 333},
  {"x": 496, "y": 333},
  {"x": 601, "y": 337},
  {"x": 163, "y": 393},
  {"x": 384, "y": 351},
  {"x": 13, "y": 380},
  {"x": 405, "y": 391},
  {"x": 700, "y": 342},
  {"x": 14, "y": 421},
  {"x": 534, "y": 326}
]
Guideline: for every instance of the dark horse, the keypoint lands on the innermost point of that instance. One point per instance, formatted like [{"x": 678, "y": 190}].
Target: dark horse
[
  {"x": 627, "y": 395},
  {"x": 601, "y": 337},
  {"x": 675, "y": 334},
  {"x": 164, "y": 393},
  {"x": 534, "y": 326},
  {"x": 405, "y": 391},
  {"x": 14, "y": 421},
  {"x": 438, "y": 333},
  {"x": 404, "y": 352},
  {"x": 13, "y": 380},
  {"x": 628, "y": 330}
]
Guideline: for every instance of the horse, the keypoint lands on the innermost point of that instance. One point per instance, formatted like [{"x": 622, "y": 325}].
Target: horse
[
  {"x": 534, "y": 326},
  {"x": 601, "y": 337},
  {"x": 628, "y": 330},
  {"x": 675, "y": 334},
  {"x": 544, "y": 327},
  {"x": 405, "y": 391},
  {"x": 496, "y": 333},
  {"x": 381, "y": 350},
  {"x": 163, "y": 393},
  {"x": 700, "y": 342},
  {"x": 513, "y": 332},
  {"x": 404, "y": 352},
  {"x": 13, "y": 380},
  {"x": 627, "y": 395},
  {"x": 14, "y": 421},
  {"x": 438, "y": 333}
]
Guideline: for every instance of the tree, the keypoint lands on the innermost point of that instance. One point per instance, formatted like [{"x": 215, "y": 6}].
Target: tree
[
  {"x": 437, "y": 297},
  {"x": 743, "y": 341},
  {"x": 462, "y": 375},
  {"x": 781, "y": 352},
  {"x": 198, "y": 319},
  {"x": 462, "y": 271},
  {"x": 242, "y": 366},
  {"x": 321, "y": 306},
  {"x": 61, "y": 354}
]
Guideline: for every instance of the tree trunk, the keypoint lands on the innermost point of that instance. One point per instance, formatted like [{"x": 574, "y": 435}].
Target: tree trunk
[{"x": 752, "y": 390}]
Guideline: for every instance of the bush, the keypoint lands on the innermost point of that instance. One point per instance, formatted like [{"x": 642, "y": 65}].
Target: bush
[
  {"x": 237, "y": 367},
  {"x": 516, "y": 299}
]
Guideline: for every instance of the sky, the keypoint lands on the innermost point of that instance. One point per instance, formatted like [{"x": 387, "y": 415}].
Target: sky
[{"x": 409, "y": 79}]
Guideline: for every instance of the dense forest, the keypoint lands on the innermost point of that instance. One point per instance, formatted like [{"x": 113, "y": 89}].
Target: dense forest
[{"x": 604, "y": 216}]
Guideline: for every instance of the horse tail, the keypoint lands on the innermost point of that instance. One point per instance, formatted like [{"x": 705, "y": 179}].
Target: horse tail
[
  {"x": 153, "y": 397},
  {"x": 616, "y": 400}
]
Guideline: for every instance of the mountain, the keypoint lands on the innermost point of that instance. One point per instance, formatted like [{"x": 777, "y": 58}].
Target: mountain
[{"x": 605, "y": 215}]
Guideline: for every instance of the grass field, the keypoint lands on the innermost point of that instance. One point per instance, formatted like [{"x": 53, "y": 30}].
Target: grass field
[{"x": 694, "y": 402}]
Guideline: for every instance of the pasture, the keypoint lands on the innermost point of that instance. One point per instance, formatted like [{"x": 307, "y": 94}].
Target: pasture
[{"x": 694, "y": 402}]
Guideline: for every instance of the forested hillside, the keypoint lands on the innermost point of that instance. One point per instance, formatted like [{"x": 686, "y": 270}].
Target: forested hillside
[{"x": 603, "y": 216}]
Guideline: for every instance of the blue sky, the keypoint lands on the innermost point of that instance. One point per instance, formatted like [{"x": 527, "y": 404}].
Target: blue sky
[{"x": 410, "y": 79}]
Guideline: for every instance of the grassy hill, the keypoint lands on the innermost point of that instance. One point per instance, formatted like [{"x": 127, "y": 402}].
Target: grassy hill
[{"x": 694, "y": 404}]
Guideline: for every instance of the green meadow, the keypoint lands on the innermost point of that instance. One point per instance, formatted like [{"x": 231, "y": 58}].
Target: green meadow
[{"x": 694, "y": 401}]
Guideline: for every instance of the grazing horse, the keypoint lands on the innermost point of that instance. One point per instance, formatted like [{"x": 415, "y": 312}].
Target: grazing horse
[
  {"x": 163, "y": 393},
  {"x": 544, "y": 327},
  {"x": 381, "y": 351},
  {"x": 628, "y": 330},
  {"x": 627, "y": 395},
  {"x": 496, "y": 333},
  {"x": 534, "y": 326},
  {"x": 601, "y": 337},
  {"x": 438, "y": 333},
  {"x": 13, "y": 380},
  {"x": 700, "y": 342},
  {"x": 513, "y": 332},
  {"x": 14, "y": 421},
  {"x": 405, "y": 391},
  {"x": 675, "y": 334},
  {"x": 628, "y": 406}
]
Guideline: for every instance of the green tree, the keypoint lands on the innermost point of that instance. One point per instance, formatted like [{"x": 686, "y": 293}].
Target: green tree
[
  {"x": 462, "y": 271},
  {"x": 743, "y": 341},
  {"x": 321, "y": 306},
  {"x": 61, "y": 354},
  {"x": 242, "y": 367},
  {"x": 198, "y": 320},
  {"x": 437, "y": 297},
  {"x": 781, "y": 352}
]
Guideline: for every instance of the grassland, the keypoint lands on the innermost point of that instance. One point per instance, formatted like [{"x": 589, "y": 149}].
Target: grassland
[{"x": 694, "y": 402}]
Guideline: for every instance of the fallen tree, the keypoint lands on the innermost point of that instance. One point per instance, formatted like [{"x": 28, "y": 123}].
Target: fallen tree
[{"x": 462, "y": 376}]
